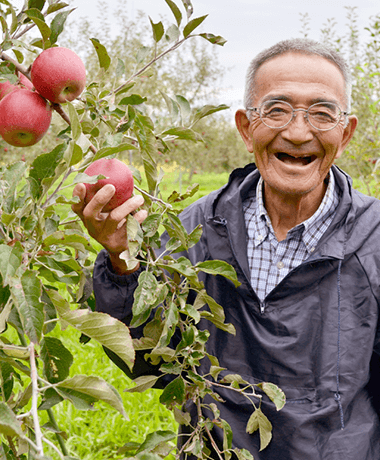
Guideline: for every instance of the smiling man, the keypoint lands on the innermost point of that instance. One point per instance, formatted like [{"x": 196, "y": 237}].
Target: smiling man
[{"x": 305, "y": 246}]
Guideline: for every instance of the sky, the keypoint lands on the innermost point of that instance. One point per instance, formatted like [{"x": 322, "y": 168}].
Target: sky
[{"x": 249, "y": 26}]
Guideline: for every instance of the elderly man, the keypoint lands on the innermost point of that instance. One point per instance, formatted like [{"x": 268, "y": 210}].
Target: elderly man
[{"x": 305, "y": 246}]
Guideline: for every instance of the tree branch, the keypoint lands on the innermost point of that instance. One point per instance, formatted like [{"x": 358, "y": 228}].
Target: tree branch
[{"x": 34, "y": 408}]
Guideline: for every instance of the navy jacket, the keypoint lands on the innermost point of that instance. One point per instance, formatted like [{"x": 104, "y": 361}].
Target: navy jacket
[{"x": 316, "y": 335}]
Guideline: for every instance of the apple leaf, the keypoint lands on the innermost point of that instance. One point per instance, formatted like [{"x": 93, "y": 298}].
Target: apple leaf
[
  {"x": 188, "y": 7},
  {"x": 214, "y": 39},
  {"x": 38, "y": 4},
  {"x": 76, "y": 129},
  {"x": 95, "y": 388},
  {"x": 26, "y": 295},
  {"x": 155, "y": 439},
  {"x": 158, "y": 30},
  {"x": 207, "y": 110},
  {"x": 56, "y": 7},
  {"x": 9, "y": 425},
  {"x": 57, "y": 359},
  {"x": 57, "y": 25},
  {"x": 103, "y": 56},
  {"x": 10, "y": 261},
  {"x": 193, "y": 24},
  {"x": 274, "y": 393},
  {"x": 38, "y": 18},
  {"x": 175, "y": 10},
  {"x": 219, "y": 267},
  {"x": 143, "y": 383},
  {"x": 259, "y": 421},
  {"x": 134, "y": 99},
  {"x": 108, "y": 331}
]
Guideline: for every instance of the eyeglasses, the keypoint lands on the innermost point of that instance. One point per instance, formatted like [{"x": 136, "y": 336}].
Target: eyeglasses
[{"x": 322, "y": 116}]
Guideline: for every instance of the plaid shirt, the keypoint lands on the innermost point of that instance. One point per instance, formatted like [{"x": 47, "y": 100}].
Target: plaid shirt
[{"x": 271, "y": 260}]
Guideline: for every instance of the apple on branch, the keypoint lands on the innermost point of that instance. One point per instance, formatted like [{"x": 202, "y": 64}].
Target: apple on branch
[
  {"x": 6, "y": 86},
  {"x": 25, "y": 117},
  {"x": 58, "y": 74},
  {"x": 118, "y": 174}
]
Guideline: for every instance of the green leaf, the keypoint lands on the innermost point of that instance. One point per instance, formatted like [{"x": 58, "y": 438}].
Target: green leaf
[
  {"x": 108, "y": 331},
  {"x": 182, "y": 418},
  {"x": 234, "y": 378},
  {"x": 10, "y": 261},
  {"x": 27, "y": 298},
  {"x": 214, "y": 39},
  {"x": 56, "y": 7},
  {"x": 38, "y": 18},
  {"x": 42, "y": 171},
  {"x": 103, "y": 56},
  {"x": 96, "y": 388},
  {"x": 208, "y": 110},
  {"x": 188, "y": 7},
  {"x": 57, "y": 25},
  {"x": 274, "y": 393},
  {"x": 227, "y": 436},
  {"x": 142, "y": 53},
  {"x": 108, "y": 151},
  {"x": 175, "y": 10},
  {"x": 184, "y": 106},
  {"x": 193, "y": 24},
  {"x": 182, "y": 133},
  {"x": 38, "y": 4},
  {"x": 6, "y": 380},
  {"x": 134, "y": 99},
  {"x": 143, "y": 383},
  {"x": 258, "y": 421},
  {"x": 57, "y": 359},
  {"x": 174, "y": 393},
  {"x": 76, "y": 129},
  {"x": 219, "y": 267},
  {"x": 9, "y": 425},
  {"x": 172, "y": 34},
  {"x": 158, "y": 30},
  {"x": 153, "y": 440}
]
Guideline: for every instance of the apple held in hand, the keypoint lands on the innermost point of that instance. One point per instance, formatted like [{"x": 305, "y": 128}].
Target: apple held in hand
[
  {"x": 25, "y": 117},
  {"x": 58, "y": 74},
  {"x": 118, "y": 174}
]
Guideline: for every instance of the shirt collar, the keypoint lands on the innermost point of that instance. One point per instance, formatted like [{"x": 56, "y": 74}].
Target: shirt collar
[{"x": 309, "y": 230}]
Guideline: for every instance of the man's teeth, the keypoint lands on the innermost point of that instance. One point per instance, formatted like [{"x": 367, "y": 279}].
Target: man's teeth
[{"x": 288, "y": 159}]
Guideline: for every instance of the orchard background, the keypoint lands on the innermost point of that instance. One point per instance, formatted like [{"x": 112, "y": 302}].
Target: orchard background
[{"x": 147, "y": 102}]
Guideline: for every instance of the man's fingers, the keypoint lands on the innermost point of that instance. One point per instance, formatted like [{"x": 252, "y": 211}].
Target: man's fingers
[
  {"x": 99, "y": 201},
  {"x": 140, "y": 216}
]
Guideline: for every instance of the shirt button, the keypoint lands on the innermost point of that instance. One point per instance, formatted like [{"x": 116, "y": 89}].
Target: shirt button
[
  {"x": 280, "y": 265},
  {"x": 259, "y": 237}
]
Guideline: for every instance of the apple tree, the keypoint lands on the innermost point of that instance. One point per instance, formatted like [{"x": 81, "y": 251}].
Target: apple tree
[{"x": 46, "y": 257}]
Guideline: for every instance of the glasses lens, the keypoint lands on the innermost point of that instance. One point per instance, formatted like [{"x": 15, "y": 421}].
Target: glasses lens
[
  {"x": 276, "y": 114},
  {"x": 324, "y": 115}
]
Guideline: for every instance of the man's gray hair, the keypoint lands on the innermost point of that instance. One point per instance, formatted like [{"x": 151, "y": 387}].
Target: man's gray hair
[{"x": 297, "y": 45}]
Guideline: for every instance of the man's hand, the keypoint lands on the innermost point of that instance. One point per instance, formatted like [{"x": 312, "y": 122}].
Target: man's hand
[{"x": 109, "y": 229}]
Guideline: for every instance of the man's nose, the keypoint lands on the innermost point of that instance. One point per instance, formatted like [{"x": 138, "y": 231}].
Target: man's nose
[{"x": 299, "y": 129}]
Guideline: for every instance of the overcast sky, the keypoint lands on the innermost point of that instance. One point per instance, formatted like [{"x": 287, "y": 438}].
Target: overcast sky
[{"x": 248, "y": 26}]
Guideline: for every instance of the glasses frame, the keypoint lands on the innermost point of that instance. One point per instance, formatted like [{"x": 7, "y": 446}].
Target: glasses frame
[{"x": 257, "y": 110}]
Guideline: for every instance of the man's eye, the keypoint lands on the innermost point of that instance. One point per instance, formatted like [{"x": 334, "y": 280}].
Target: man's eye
[{"x": 276, "y": 111}]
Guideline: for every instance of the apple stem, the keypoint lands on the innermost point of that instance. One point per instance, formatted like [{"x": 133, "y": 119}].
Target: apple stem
[{"x": 153, "y": 198}]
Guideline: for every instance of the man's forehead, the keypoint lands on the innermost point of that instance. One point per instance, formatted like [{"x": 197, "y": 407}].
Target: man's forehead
[{"x": 298, "y": 72}]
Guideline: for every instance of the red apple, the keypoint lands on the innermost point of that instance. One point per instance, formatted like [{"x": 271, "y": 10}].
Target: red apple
[
  {"x": 118, "y": 174},
  {"x": 58, "y": 74},
  {"x": 25, "y": 117},
  {"x": 6, "y": 87}
]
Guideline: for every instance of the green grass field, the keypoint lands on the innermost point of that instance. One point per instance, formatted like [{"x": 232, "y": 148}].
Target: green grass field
[{"x": 97, "y": 435}]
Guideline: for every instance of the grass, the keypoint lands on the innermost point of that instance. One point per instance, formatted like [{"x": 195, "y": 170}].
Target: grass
[{"x": 97, "y": 435}]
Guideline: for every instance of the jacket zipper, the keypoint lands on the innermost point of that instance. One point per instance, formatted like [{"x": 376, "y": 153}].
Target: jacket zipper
[{"x": 223, "y": 221}]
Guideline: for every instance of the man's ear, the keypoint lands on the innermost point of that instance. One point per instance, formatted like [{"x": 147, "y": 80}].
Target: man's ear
[
  {"x": 242, "y": 124},
  {"x": 349, "y": 131}
]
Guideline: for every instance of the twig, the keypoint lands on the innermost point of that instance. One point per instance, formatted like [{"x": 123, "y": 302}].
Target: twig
[
  {"x": 58, "y": 436},
  {"x": 153, "y": 198},
  {"x": 34, "y": 408},
  {"x": 53, "y": 447}
]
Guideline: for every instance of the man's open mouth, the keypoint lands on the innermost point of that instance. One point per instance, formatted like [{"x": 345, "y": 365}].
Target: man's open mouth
[{"x": 295, "y": 160}]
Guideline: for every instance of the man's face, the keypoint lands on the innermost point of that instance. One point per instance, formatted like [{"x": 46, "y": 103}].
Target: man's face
[{"x": 295, "y": 159}]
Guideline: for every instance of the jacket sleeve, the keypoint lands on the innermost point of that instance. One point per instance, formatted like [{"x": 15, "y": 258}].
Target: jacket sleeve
[{"x": 114, "y": 296}]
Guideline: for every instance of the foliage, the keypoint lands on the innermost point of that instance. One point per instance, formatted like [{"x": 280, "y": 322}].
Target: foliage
[{"x": 46, "y": 258}]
